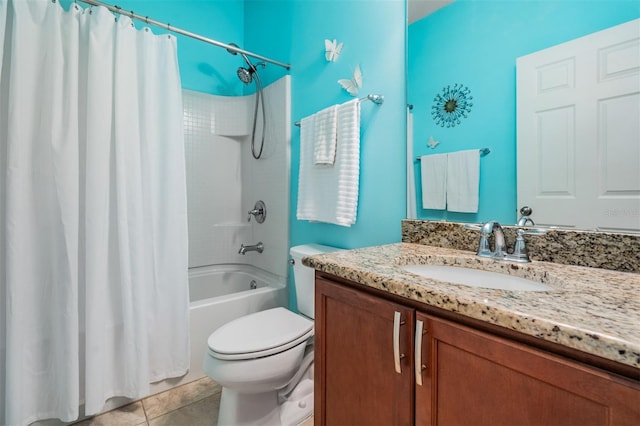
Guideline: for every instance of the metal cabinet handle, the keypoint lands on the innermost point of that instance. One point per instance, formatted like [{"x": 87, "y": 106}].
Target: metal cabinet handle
[
  {"x": 418, "y": 352},
  {"x": 396, "y": 341}
]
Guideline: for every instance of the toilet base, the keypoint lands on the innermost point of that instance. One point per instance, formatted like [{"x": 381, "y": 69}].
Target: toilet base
[
  {"x": 299, "y": 406},
  {"x": 262, "y": 409},
  {"x": 242, "y": 409}
]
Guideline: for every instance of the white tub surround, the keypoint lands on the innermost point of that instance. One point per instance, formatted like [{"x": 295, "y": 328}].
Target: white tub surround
[{"x": 224, "y": 182}]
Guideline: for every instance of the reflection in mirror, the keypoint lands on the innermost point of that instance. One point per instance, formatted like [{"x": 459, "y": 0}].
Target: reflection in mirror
[
  {"x": 475, "y": 43},
  {"x": 578, "y": 131}
]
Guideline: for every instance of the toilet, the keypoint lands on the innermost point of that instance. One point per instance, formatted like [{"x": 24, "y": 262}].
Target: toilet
[{"x": 264, "y": 360}]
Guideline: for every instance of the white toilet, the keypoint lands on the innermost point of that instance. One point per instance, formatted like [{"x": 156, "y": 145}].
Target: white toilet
[{"x": 264, "y": 361}]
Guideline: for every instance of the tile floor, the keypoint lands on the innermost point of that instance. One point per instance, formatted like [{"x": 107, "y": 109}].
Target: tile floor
[{"x": 193, "y": 404}]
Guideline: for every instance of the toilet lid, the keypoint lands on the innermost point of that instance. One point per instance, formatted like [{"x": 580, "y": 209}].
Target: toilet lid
[{"x": 260, "y": 334}]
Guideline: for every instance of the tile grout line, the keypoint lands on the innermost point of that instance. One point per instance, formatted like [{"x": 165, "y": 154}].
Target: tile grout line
[
  {"x": 177, "y": 408},
  {"x": 200, "y": 398},
  {"x": 144, "y": 410}
]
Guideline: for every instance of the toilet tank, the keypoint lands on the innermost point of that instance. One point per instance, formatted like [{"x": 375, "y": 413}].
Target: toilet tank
[{"x": 304, "y": 277}]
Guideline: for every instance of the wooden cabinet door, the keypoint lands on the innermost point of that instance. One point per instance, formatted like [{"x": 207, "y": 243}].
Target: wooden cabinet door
[
  {"x": 480, "y": 379},
  {"x": 356, "y": 376}
]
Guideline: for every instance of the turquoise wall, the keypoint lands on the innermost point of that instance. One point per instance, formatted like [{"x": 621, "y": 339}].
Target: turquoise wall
[
  {"x": 476, "y": 43},
  {"x": 373, "y": 33}
]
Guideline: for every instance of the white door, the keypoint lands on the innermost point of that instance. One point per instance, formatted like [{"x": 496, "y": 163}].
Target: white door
[{"x": 578, "y": 131}]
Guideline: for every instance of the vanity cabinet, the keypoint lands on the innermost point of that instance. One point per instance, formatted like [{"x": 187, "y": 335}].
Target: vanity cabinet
[
  {"x": 356, "y": 379},
  {"x": 368, "y": 347}
]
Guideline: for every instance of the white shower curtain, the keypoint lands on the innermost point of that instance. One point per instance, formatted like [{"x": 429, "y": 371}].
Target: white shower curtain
[{"x": 93, "y": 233}]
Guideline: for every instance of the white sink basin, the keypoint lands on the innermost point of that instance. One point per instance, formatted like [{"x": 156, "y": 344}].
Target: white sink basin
[{"x": 475, "y": 278}]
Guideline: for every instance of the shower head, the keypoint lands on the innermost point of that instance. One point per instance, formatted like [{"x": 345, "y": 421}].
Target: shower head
[{"x": 245, "y": 75}]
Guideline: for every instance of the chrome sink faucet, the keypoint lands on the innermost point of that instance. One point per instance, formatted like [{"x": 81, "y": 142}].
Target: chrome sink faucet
[
  {"x": 257, "y": 247},
  {"x": 499, "y": 244},
  {"x": 520, "y": 253}
]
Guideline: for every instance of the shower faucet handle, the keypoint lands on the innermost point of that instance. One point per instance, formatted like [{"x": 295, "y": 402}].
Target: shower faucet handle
[{"x": 259, "y": 211}]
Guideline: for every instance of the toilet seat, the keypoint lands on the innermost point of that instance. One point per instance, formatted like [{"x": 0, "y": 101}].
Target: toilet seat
[{"x": 260, "y": 334}]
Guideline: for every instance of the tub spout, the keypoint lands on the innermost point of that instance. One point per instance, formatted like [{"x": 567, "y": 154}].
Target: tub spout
[{"x": 257, "y": 247}]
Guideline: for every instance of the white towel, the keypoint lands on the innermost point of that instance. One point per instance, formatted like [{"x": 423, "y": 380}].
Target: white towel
[
  {"x": 463, "y": 181},
  {"x": 434, "y": 181},
  {"x": 325, "y": 137},
  {"x": 412, "y": 212},
  {"x": 330, "y": 194}
]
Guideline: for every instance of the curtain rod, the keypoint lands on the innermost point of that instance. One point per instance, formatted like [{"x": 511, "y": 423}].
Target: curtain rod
[{"x": 168, "y": 27}]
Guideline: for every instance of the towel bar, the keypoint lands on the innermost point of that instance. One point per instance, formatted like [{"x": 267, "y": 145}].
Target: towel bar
[
  {"x": 376, "y": 99},
  {"x": 483, "y": 152}
]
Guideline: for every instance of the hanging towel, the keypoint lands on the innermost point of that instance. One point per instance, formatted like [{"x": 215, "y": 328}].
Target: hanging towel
[
  {"x": 330, "y": 194},
  {"x": 412, "y": 212},
  {"x": 463, "y": 181},
  {"x": 325, "y": 137},
  {"x": 434, "y": 181}
]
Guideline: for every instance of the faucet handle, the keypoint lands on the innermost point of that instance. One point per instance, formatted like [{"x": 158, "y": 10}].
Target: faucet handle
[
  {"x": 520, "y": 251},
  {"x": 259, "y": 211},
  {"x": 473, "y": 226},
  {"x": 533, "y": 231},
  {"x": 520, "y": 248},
  {"x": 484, "y": 249}
]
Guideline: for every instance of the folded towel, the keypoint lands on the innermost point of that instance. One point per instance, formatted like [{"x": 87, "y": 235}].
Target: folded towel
[
  {"x": 349, "y": 170},
  {"x": 330, "y": 194},
  {"x": 412, "y": 212},
  {"x": 434, "y": 181},
  {"x": 325, "y": 138},
  {"x": 306, "y": 173},
  {"x": 463, "y": 181}
]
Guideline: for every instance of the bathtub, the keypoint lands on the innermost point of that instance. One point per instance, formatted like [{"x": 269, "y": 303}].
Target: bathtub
[{"x": 219, "y": 294}]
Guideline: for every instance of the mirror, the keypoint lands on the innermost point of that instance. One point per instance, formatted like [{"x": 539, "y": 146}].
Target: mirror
[{"x": 475, "y": 43}]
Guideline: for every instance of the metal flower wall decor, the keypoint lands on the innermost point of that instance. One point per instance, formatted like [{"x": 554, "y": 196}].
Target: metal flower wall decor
[{"x": 451, "y": 105}]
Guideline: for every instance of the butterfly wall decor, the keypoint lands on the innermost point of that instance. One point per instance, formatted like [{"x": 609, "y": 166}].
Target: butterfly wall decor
[
  {"x": 432, "y": 142},
  {"x": 332, "y": 50},
  {"x": 354, "y": 83}
]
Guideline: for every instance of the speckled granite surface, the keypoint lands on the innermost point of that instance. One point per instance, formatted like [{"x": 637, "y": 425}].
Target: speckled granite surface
[
  {"x": 618, "y": 252},
  {"x": 589, "y": 309}
]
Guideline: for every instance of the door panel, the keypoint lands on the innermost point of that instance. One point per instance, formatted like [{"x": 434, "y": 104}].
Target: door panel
[{"x": 578, "y": 131}]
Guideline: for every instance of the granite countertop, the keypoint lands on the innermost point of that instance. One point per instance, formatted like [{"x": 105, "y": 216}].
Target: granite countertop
[{"x": 589, "y": 309}]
